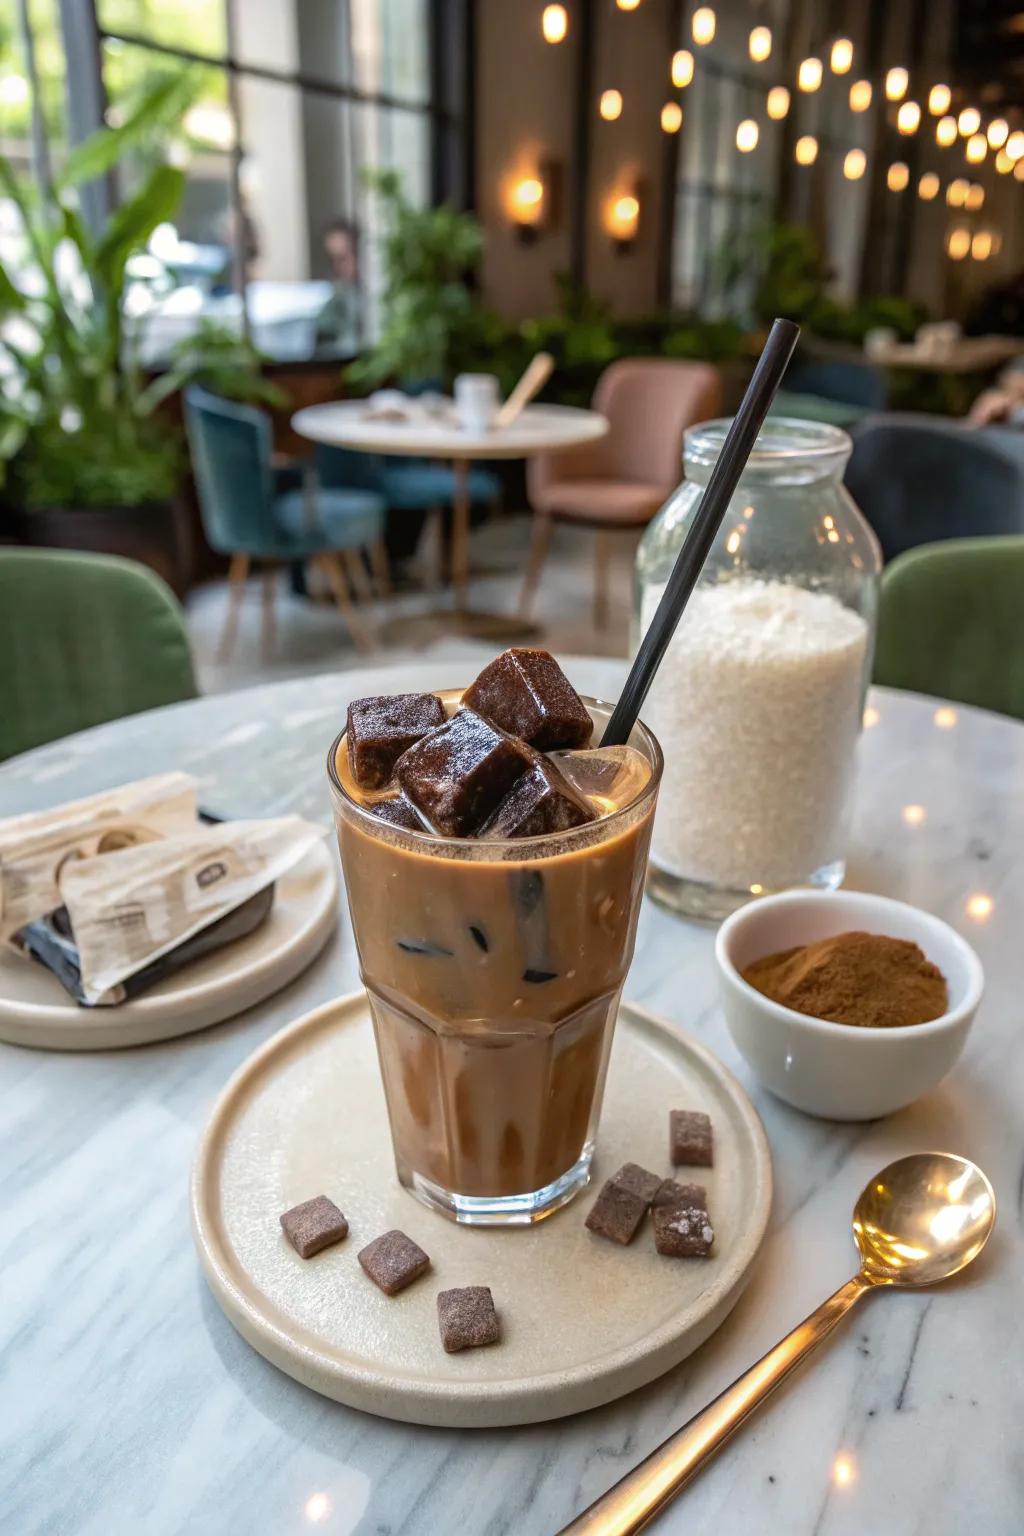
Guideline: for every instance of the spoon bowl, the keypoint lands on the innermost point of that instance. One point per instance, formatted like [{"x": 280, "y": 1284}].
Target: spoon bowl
[{"x": 922, "y": 1219}]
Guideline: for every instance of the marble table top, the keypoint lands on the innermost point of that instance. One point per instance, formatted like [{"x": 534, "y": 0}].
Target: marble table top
[{"x": 128, "y": 1403}]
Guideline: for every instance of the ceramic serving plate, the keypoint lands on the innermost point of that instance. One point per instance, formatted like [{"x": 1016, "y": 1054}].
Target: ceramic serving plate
[
  {"x": 583, "y": 1320},
  {"x": 35, "y": 1009}
]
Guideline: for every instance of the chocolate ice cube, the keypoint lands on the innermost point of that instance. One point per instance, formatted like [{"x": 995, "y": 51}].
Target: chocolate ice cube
[
  {"x": 458, "y": 775},
  {"x": 384, "y": 726},
  {"x": 689, "y": 1139},
  {"x": 617, "y": 1213},
  {"x": 466, "y": 1318},
  {"x": 526, "y": 693},
  {"x": 313, "y": 1225},
  {"x": 398, "y": 813},
  {"x": 393, "y": 1261},
  {"x": 639, "y": 1180},
  {"x": 682, "y": 1231},
  {"x": 669, "y": 1192},
  {"x": 541, "y": 801}
]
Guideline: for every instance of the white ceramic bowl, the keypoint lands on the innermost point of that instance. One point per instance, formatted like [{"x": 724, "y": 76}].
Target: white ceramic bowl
[{"x": 840, "y": 1071}]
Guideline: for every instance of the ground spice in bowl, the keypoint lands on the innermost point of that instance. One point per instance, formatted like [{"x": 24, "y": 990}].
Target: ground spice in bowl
[{"x": 863, "y": 979}]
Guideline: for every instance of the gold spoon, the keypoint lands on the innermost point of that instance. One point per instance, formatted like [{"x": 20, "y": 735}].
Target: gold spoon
[{"x": 918, "y": 1221}]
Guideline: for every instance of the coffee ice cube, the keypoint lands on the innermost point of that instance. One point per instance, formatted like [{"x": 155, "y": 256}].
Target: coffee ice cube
[
  {"x": 608, "y": 778},
  {"x": 458, "y": 775},
  {"x": 398, "y": 813},
  {"x": 526, "y": 693},
  {"x": 541, "y": 801},
  {"x": 382, "y": 727}
]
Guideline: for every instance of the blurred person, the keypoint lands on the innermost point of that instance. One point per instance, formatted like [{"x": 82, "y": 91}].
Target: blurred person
[
  {"x": 1003, "y": 404},
  {"x": 339, "y": 323}
]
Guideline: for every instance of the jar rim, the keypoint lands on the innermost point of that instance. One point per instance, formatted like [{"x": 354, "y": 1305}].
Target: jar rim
[{"x": 782, "y": 440}]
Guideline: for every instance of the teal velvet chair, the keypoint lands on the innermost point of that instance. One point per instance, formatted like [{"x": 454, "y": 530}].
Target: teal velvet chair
[
  {"x": 950, "y": 623},
  {"x": 247, "y": 517},
  {"x": 84, "y": 639}
]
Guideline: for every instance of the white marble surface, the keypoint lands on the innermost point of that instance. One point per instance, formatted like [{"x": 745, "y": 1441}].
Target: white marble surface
[{"x": 127, "y": 1402}]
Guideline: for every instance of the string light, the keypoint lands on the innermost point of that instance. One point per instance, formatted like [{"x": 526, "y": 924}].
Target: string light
[
  {"x": 860, "y": 95},
  {"x": 981, "y": 245},
  {"x": 746, "y": 136},
  {"x": 682, "y": 68},
  {"x": 610, "y": 105},
  {"x": 671, "y": 117},
  {"x": 841, "y": 57},
  {"x": 703, "y": 25},
  {"x": 1014, "y": 145},
  {"x": 760, "y": 44},
  {"x": 946, "y": 131},
  {"x": 939, "y": 98},
  {"x": 908, "y": 117},
  {"x": 958, "y": 244},
  {"x": 977, "y": 148},
  {"x": 968, "y": 122},
  {"x": 554, "y": 23},
  {"x": 998, "y": 132},
  {"x": 806, "y": 150},
  {"x": 975, "y": 198},
  {"x": 1004, "y": 163},
  {"x": 855, "y": 164},
  {"x": 809, "y": 74},
  {"x": 778, "y": 102},
  {"x": 956, "y": 193},
  {"x": 898, "y": 177},
  {"x": 928, "y": 186},
  {"x": 896, "y": 82}
]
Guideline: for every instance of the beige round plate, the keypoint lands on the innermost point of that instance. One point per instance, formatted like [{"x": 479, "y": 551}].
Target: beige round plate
[
  {"x": 35, "y": 1009},
  {"x": 583, "y": 1320}
]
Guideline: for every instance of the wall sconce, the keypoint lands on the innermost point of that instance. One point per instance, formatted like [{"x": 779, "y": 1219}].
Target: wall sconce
[
  {"x": 530, "y": 201},
  {"x": 622, "y": 217}
]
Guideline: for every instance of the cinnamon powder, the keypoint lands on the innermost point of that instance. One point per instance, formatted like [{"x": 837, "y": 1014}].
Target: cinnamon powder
[{"x": 863, "y": 979}]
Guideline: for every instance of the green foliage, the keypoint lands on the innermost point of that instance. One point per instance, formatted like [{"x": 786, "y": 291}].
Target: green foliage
[
  {"x": 221, "y": 361},
  {"x": 74, "y": 433}
]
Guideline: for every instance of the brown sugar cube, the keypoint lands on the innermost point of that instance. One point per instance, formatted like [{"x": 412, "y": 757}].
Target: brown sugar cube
[
  {"x": 460, "y": 773},
  {"x": 682, "y": 1231},
  {"x": 466, "y": 1318},
  {"x": 638, "y": 1180},
  {"x": 313, "y": 1225},
  {"x": 616, "y": 1213},
  {"x": 672, "y": 1193},
  {"x": 398, "y": 813},
  {"x": 382, "y": 727},
  {"x": 525, "y": 692},
  {"x": 541, "y": 801},
  {"x": 689, "y": 1138},
  {"x": 393, "y": 1261}
]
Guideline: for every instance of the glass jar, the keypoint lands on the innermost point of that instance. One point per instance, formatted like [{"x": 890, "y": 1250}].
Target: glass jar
[{"x": 759, "y": 699}]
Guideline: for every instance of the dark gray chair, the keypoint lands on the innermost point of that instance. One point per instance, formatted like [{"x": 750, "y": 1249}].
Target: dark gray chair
[{"x": 919, "y": 479}]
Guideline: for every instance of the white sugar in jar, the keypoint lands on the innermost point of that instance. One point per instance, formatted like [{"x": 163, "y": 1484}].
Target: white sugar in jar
[{"x": 758, "y": 700}]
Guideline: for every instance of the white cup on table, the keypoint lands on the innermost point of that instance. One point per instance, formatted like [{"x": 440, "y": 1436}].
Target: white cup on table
[{"x": 476, "y": 401}]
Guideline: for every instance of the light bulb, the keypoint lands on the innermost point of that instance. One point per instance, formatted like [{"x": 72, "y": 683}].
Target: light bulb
[
  {"x": 682, "y": 67},
  {"x": 841, "y": 57},
  {"x": 998, "y": 132},
  {"x": 778, "y": 102},
  {"x": 703, "y": 25},
  {"x": 554, "y": 23},
  {"x": 946, "y": 131},
  {"x": 981, "y": 245},
  {"x": 969, "y": 121},
  {"x": 956, "y": 193},
  {"x": 958, "y": 244},
  {"x": 898, "y": 177},
  {"x": 860, "y": 95},
  {"x": 610, "y": 105},
  {"x": 1014, "y": 145},
  {"x": 928, "y": 186},
  {"x": 671, "y": 117},
  {"x": 975, "y": 198},
  {"x": 806, "y": 150},
  {"x": 854, "y": 165},
  {"x": 526, "y": 198},
  {"x": 760, "y": 44},
  {"x": 1004, "y": 163},
  {"x": 896, "y": 82},
  {"x": 809, "y": 74},
  {"x": 746, "y": 136},
  {"x": 623, "y": 214},
  {"x": 908, "y": 117},
  {"x": 939, "y": 98},
  {"x": 977, "y": 148}
]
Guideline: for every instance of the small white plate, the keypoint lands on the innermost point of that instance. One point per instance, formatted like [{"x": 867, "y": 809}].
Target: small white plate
[
  {"x": 35, "y": 1010},
  {"x": 583, "y": 1320}
]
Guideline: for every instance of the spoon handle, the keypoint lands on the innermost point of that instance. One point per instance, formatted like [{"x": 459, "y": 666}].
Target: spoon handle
[{"x": 638, "y": 1497}]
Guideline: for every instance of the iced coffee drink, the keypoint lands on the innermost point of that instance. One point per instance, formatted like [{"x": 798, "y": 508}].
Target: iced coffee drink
[{"x": 495, "y": 863}]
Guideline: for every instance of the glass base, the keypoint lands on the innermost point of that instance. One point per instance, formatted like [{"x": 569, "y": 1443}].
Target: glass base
[
  {"x": 501, "y": 1210},
  {"x": 711, "y": 903}
]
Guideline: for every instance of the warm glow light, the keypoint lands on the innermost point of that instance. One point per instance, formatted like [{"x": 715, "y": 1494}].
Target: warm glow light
[
  {"x": 760, "y": 44},
  {"x": 945, "y": 718},
  {"x": 898, "y": 177},
  {"x": 855, "y": 164},
  {"x": 841, "y": 57},
  {"x": 977, "y": 148},
  {"x": 956, "y": 192},
  {"x": 914, "y": 815},
  {"x": 318, "y": 1507},
  {"x": 969, "y": 121},
  {"x": 945, "y": 131},
  {"x": 732, "y": 543},
  {"x": 671, "y": 117},
  {"x": 1018, "y": 170},
  {"x": 908, "y": 117},
  {"x": 611, "y": 105},
  {"x": 746, "y": 136},
  {"x": 980, "y": 907},
  {"x": 998, "y": 132},
  {"x": 959, "y": 243},
  {"x": 871, "y": 717},
  {"x": 1004, "y": 163},
  {"x": 939, "y": 98},
  {"x": 778, "y": 102},
  {"x": 975, "y": 198},
  {"x": 622, "y": 216},
  {"x": 627, "y": 5},
  {"x": 981, "y": 245},
  {"x": 843, "y": 1471},
  {"x": 1014, "y": 145},
  {"x": 554, "y": 23},
  {"x": 703, "y": 25},
  {"x": 928, "y": 186},
  {"x": 860, "y": 95},
  {"x": 808, "y": 76},
  {"x": 896, "y": 82},
  {"x": 526, "y": 200},
  {"x": 682, "y": 67},
  {"x": 806, "y": 149}
]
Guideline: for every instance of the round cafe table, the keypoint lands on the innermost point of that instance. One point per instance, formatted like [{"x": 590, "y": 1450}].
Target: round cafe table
[{"x": 128, "y": 1402}]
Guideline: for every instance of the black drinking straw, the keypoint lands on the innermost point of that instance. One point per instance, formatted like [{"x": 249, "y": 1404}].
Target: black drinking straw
[{"x": 724, "y": 478}]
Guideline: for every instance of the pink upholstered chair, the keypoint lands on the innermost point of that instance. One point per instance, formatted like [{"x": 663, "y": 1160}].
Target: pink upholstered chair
[{"x": 620, "y": 482}]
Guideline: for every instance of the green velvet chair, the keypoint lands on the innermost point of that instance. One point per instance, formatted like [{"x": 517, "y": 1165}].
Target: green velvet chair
[
  {"x": 84, "y": 638},
  {"x": 950, "y": 622}
]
